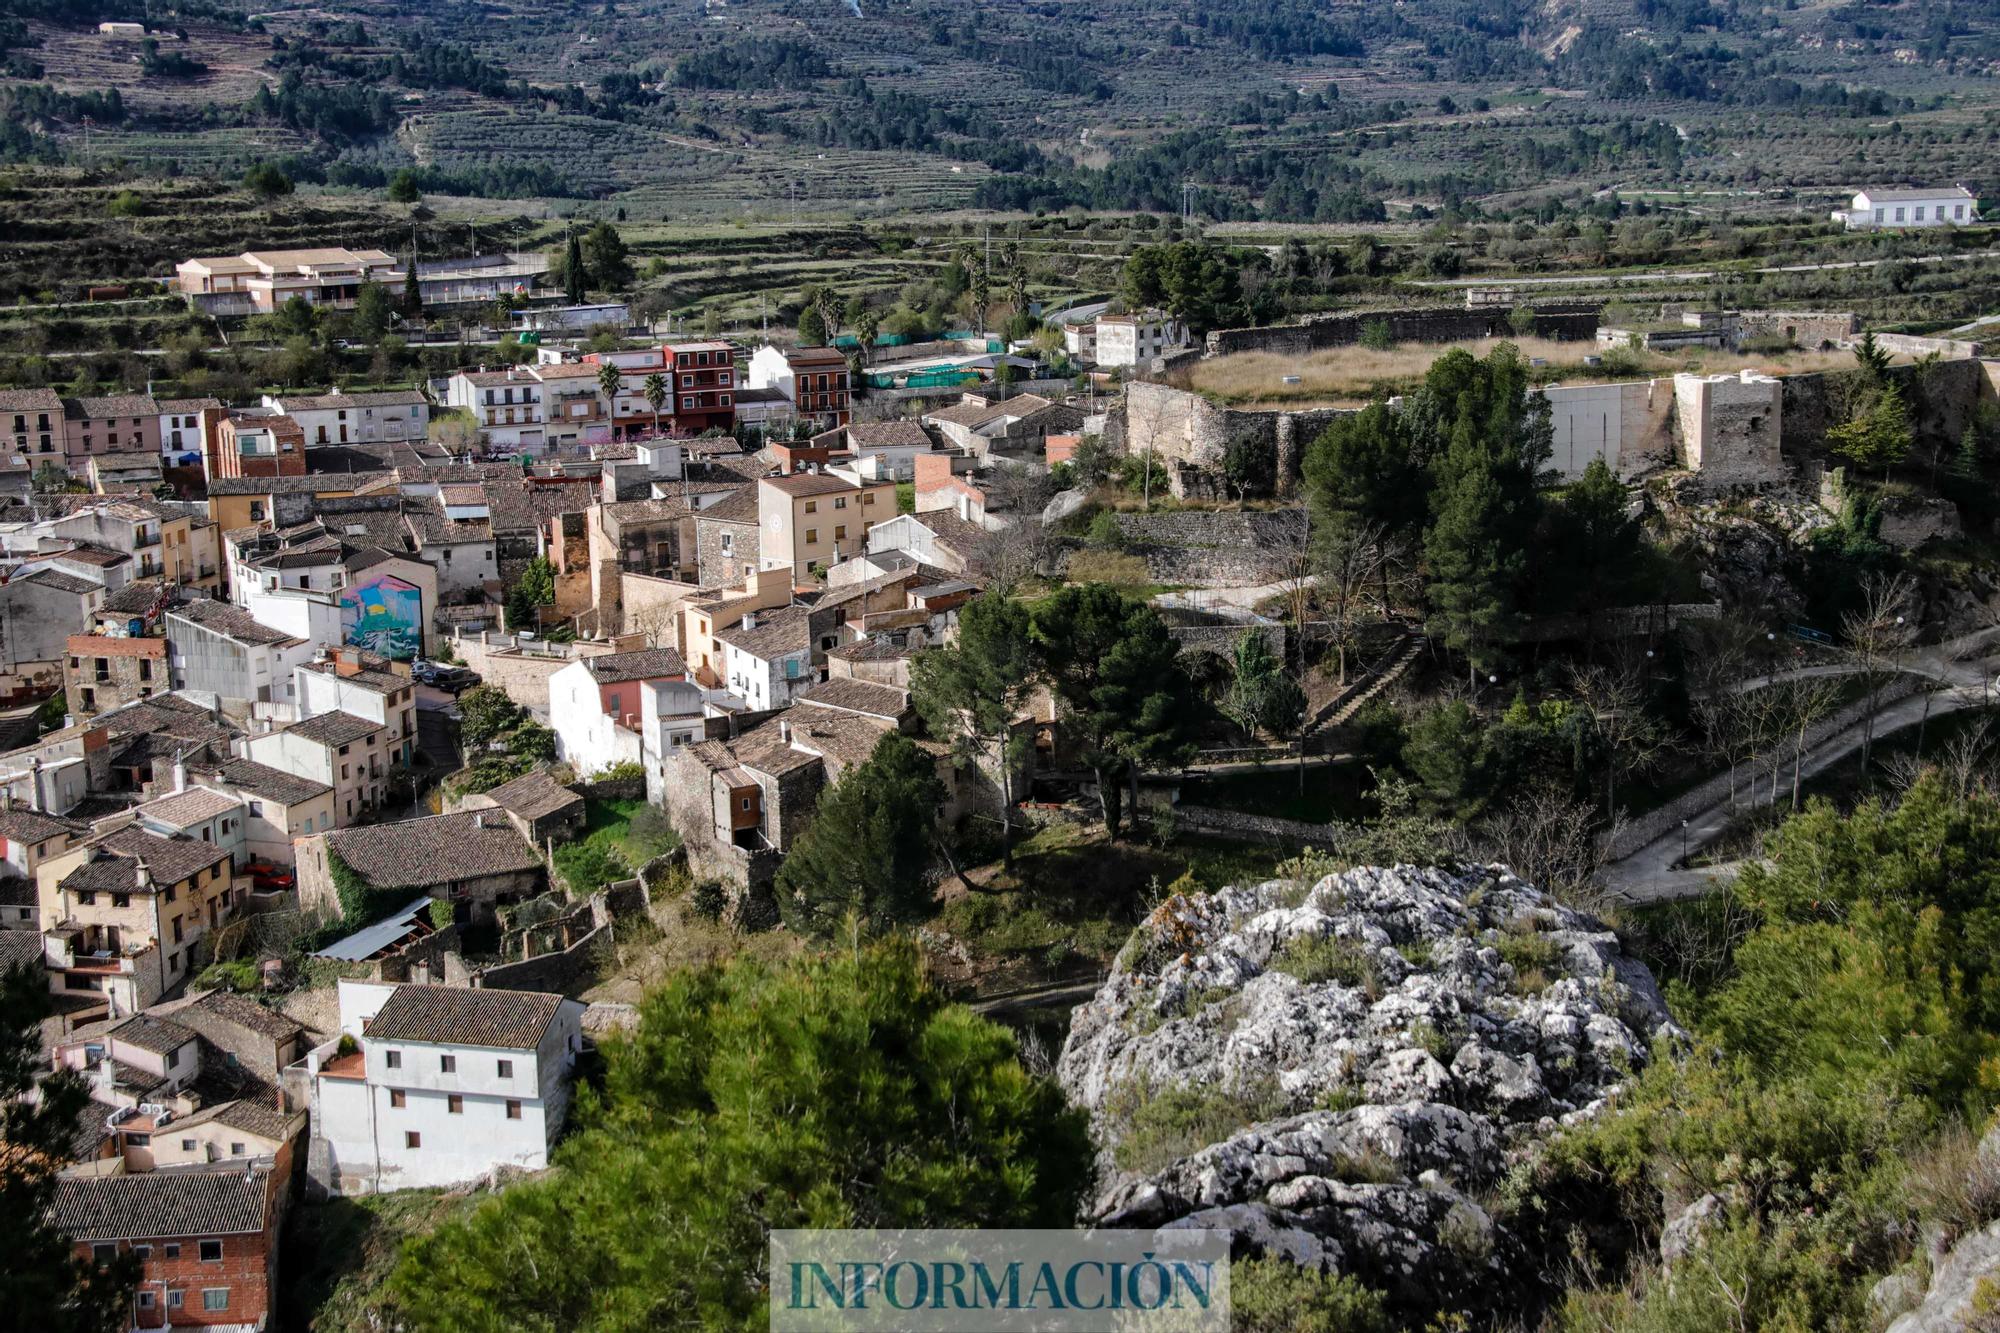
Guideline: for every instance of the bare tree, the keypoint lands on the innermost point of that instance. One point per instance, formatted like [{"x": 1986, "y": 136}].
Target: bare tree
[
  {"x": 1349, "y": 557},
  {"x": 1879, "y": 634},
  {"x": 1800, "y": 703},
  {"x": 1719, "y": 665},
  {"x": 1020, "y": 546},
  {"x": 1550, "y": 838},
  {"x": 1965, "y": 762},
  {"x": 1633, "y": 739}
]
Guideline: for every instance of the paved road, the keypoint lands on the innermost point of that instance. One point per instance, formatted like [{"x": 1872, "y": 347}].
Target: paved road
[
  {"x": 1654, "y": 872},
  {"x": 1691, "y": 275}
]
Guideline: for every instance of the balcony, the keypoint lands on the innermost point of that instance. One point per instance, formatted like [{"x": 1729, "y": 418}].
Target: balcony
[{"x": 145, "y": 539}]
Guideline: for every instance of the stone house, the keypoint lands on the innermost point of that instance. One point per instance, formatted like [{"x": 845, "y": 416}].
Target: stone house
[
  {"x": 542, "y": 809},
  {"x": 104, "y": 672},
  {"x": 474, "y": 857},
  {"x": 727, "y": 539}
]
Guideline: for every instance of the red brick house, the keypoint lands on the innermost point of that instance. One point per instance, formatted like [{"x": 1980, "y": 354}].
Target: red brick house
[{"x": 206, "y": 1237}]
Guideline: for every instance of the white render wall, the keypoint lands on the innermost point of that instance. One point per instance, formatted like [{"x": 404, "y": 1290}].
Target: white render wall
[{"x": 586, "y": 737}]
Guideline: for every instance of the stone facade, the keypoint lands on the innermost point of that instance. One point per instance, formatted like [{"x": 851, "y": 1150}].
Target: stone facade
[
  {"x": 1222, "y": 548},
  {"x": 721, "y": 563},
  {"x": 1190, "y": 437},
  {"x": 1730, "y": 427}
]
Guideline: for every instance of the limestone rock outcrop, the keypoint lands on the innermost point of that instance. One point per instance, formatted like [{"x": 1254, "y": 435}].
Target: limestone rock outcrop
[{"x": 1335, "y": 1072}]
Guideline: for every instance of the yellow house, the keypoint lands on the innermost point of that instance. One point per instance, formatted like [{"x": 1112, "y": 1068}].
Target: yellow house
[
  {"x": 123, "y": 911},
  {"x": 243, "y": 502},
  {"x": 810, "y": 518}
]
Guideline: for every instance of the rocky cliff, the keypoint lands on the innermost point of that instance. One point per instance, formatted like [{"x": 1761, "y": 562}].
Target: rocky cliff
[{"x": 1337, "y": 1072}]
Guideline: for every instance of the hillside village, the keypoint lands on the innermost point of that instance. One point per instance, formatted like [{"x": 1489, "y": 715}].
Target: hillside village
[{"x": 368, "y": 753}]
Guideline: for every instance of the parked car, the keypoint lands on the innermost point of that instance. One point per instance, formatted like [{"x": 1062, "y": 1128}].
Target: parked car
[{"x": 270, "y": 878}]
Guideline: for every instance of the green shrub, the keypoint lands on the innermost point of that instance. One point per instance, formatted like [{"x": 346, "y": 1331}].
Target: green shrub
[
  {"x": 1316, "y": 958},
  {"x": 1275, "y": 1295},
  {"x": 1161, "y": 1127}
]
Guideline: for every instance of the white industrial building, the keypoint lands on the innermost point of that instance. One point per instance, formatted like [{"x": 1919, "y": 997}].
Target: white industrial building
[{"x": 436, "y": 1086}]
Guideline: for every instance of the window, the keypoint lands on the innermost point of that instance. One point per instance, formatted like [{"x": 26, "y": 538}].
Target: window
[
  {"x": 173, "y": 1251},
  {"x": 812, "y": 506},
  {"x": 1920, "y": 214},
  {"x": 104, "y": 1253},
  {"x": 455, "y": 1104},
  {"x": 396, "y": 1098},
  {"x": 86, "y": 899},
  {"x": 140, "y": 1140},
  {"x": 506, "y": 1069},
  {"x": 448, "y": 1064},
  {"x": 1899, "y": 218},
  {"x": 412, "y": 1139},
  {"x": 211, "y": 1251},
  {"x": 687, "y": 404},
  {"x": 840, "y": 502},
  {"x": 812, "y": 535},
  {"x": 145, "y": 1300},
  {"x": 868, "y": 499},
  {"x": 215, "y": 1298},
  {"x": 236, "y": 1150},
  {"x": 142, "y": 1252},
  {"x": 187, "y": 1145},
  {"x": 393, "y": 1059},
  {"x": 174, "y": 1299},
  {"x": 840, "y": 532},
  {"x": 121, "y": 900},
  {"x": 513, "y": 1109}
]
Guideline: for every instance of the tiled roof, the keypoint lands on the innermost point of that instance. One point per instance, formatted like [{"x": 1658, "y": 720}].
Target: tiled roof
[
  {"x": 188, "y": 808},
  {"x": 316, "y": 483},
  {"x": 386, "y": 398},
  {"x": 880, "y": 648},
  {"x": 272, "y": 784},
  {"x": 243, "y": 1013},
  {"x": 859, "y": 696},
  {"x": 135, "y": 597},
  {"x": 334, "y": 728},
  {"x": 957, "y": 534},
  {"x": 646, "y": 664},
  {"x": 375, "y": 682},
  {"x": 810, "y": 483},
  {"x": 776, "y": 633},
  {"x": 1904, "y": 195},
  {"x": 112, "y": 405},
  {"x": 20, "y": 948},
  {"x": 507, "y": 1020},
  {"x": 30, "y": 400},
  {"x": 844, "y": 739},
  {"x": 61, "y": 582},
  {"x": 904, "y": 433},
  {"x": 23, "y": 825},
  {"x": 151, "y": 1033},
  {"x": 169, "y": 859},
  {"x": 188, "y": 406},
  {"x": 105, "y": 645},
  {"x": 440, "y": 849},
  {"x": 231, "y": 621},
  {"x": 533, "y": 795},
  {"x": 739, "y": 507},
  {"x": 211, "y": 1201}
]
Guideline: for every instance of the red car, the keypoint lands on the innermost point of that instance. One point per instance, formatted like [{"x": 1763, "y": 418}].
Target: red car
[{"x": 268, "y": 878}]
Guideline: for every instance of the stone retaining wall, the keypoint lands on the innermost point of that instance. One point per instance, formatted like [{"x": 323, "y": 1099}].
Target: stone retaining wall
[
  {"x": 1567, "y": 321},
  {"x": 1241, "y": 827}
]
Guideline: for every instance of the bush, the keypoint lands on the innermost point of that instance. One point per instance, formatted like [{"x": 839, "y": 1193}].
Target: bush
[
  {"x": 1162, "y": 1126},
  {"x": 1317, "y": 958},
  {"x": 1274, "y": 1295},
  {"x": 1105, "y": 533}
]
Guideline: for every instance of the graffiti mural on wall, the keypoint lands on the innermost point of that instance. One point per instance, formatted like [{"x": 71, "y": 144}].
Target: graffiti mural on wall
[{"x": 385, "y": 615}]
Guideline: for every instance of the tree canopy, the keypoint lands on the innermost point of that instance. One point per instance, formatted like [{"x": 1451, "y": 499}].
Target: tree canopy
[
  {"x": 868, "y": 850},
  {"x": 842, "y": 1091}
]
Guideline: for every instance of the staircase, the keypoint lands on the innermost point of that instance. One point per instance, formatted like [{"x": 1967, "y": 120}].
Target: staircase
[{"x": 1385, "y": 671}]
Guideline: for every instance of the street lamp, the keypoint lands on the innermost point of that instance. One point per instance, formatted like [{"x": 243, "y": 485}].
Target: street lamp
[{"x": 1684, "y": 842}]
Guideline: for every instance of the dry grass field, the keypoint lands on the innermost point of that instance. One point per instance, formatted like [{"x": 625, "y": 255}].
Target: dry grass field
[{"x": 1349, "y": 376}]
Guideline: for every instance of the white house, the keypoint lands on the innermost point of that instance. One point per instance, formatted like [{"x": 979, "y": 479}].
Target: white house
[
  {"x": 1938, "y": 206},
  {"x": 349, "y": 754},
  {"x": 505, "y": 404},
  {"x": 356, "y": 418},
  {"x": 597, "y": 705},
  {"x": 340, "y": 684},
  {"x": 440, "y": 1085},
  {"x": 767, "y": 656},
  {"x": 1131, "y": 340},
  {"x": 671, "y": 717}
]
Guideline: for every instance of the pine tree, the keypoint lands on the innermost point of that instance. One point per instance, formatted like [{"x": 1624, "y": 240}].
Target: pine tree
[
  {"x": 43, "y": 1285},
  {"x": 970, "y": 693},
  {"x": 865, "y": 855},
  {"x": 1475, "y": 563},
  {"x": 413, "y": 292}
]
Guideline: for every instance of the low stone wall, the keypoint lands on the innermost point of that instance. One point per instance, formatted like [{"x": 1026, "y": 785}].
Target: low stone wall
[
  {"x": 1567, "y": 321},
  {"x": 1910, "y": 344},
  {"x": 1810, "y": 329},
  {"x": 1241, "y": 827},
  {"x": 1190, "y": 438},
  {"x": 1222, "y": 639},
  {"x": 569, "y": 971}
]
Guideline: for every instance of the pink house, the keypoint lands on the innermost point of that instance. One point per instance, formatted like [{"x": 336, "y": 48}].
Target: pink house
[{"x": 126, "y": 423}]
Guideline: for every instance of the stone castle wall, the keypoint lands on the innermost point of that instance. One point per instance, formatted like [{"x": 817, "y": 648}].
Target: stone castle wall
[{"x": 1568, "y": 322}]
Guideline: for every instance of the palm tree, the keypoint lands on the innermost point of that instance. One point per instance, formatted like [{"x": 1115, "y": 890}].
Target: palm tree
[
  {"x": 655, "y": 390},
  {"x": 609, "y": 381}
]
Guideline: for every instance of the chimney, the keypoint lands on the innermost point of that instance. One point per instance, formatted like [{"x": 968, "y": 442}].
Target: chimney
[
  {"x": 749, "y": 620},
  {"x": 784, "y": 731},
  {"x": 180, "y": 773},
  {"x": 142, "y": 878}
]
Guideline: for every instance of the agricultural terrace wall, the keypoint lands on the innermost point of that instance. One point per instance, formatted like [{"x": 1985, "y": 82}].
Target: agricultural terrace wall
[
  {"x": 1567, "y": 321},
  {"x": 1225, "y": 549}
]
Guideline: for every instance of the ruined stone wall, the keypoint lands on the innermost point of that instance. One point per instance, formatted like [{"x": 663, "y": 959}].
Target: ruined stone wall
[
  {"x": 1423, "y": 324},
  {"x": 1806, "y": 328},
  {"x": 1908, "y": 344},
  {"x": 1730, "y": 426},
  {"x": 1190, "y": 437}
]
